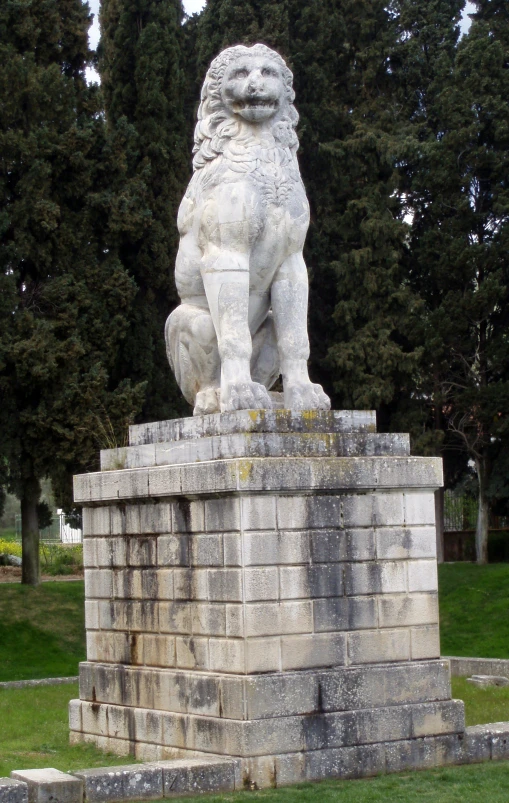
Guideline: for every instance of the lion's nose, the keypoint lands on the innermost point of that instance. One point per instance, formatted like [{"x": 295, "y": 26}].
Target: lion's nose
[{"x": 255, "y": 82}]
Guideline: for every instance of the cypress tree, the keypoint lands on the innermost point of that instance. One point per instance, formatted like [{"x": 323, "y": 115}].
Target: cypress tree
[
  {"x": 145, "y": 81},
  {"x": 63, "y": 294},
  {"x": 459, "y": 194}
]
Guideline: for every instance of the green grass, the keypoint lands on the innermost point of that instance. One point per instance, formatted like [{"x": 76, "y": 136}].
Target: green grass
[
  {"x": 482, "y": 705},
  {"x": 34, "y": 732},
  {"x": 452, "y": 785},
  {"x": 42, "y": 630},
  {"x": 474, "y": 610}
]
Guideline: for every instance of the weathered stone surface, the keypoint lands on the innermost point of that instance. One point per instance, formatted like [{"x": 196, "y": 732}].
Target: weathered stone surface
[
  {"x": 50, "y": 786},
  {"x": 226, "y": 447},
  {"x": 12, "y": 791},
  {"x": 253, "y": 421},
  {"x": 465, "y": 667},
  {"x": 128, "y": 782},
  {"x": 189, "y": 776},
  {"x": 275, "y": 474},
  {"x": 483, "y": 681}
]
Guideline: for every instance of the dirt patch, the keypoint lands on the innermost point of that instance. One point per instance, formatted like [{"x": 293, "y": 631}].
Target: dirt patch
[{"x": 12, "y": 574}]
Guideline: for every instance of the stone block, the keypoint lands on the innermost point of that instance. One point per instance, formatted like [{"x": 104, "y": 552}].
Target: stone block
[
  {"x": 111, "y": 552},
  {"x": 346, "y": 545},
  {"x": 258, "y": 512},
  {"x": 156, "y": 650},
  {"x": 232, "y": 548},
  {"x": 109, "y": 647},
  {"x": 307, "y": 651},
  {"x": 261, "y": 584},
  {"x": 425, "y": 642},
  {"x": 206, "y": 550},
  {"x": 234, "y": 621},
  {"x": 98, "y": 583},
  {"x": 91, "y": 615},
  {"x": 387, "y": 509},
  {"x": 188, "y": 516},
  {"x": 12, "y": 791},
  {"x": 96, "y": 521},
  {"x": 75, "y": 715},
  {"x": 142, "y": 551},
  {"x": 174, "y": 617},
  {"x": 345, "y": 613},
  {"x": 222, "y": 515},
  {"x": 302, "y": 582},
  {"x": 403, "y": 610},
  {"x": 266, "y": 548},
  {"x": 401, "y": 543},
  {"x": 226, "y": 655},
  {"x": 499, "y": 733},
  {"x": 378, "y": 646},
  {"x": 476, "y": 744},
  {"x": 129, "y": 782},
  {"x": 435, "y": 719},
  {"x": 422, "y": 575},
  {"x": 383, "y": 577},
  {"x": 225, "y": 585},
  {"x": 272, "y": 618},
  {"x": 89, "y": 550},
  {"x": 263, "y": 655},
  {"x": 192, "y": 653},
  {"x": 191, "y": 776},
  {"x": 50, "y": 786},
  {"x": 419, "y": 507},
  {"x": 156, "y": 518},
  {"x": 208, "y": 619}
]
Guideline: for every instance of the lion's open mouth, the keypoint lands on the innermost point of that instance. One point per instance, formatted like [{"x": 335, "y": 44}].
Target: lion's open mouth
[{"x": 256, "y": 103}]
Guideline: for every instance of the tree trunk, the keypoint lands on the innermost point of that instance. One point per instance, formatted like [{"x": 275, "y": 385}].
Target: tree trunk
[
  {"x": 483, "y": 515},
  {"x": 439, "y": 523},
  {"x": 30, "y": 570}
]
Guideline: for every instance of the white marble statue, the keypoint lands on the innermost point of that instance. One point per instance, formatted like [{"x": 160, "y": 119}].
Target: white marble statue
[{"x": 240, "y": 272}]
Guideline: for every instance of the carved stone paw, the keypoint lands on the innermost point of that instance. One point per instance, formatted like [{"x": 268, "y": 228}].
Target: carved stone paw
[
  {"x": 207, "y": 402},
  {"x": 244, "y": 396},
  {"x": 305, "y": 396}
]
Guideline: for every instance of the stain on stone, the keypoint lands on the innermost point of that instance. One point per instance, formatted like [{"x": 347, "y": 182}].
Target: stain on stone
[
  {"x": 94, "y": 696},
  {"x": 134, "y": 648},
  {"x": 319, "y": 702},
  {"x": 182, "y": 510},
  {"x": 273, "y": 776}
]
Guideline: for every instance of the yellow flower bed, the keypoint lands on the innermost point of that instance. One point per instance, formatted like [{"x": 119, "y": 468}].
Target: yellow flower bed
[{"x": 10, "y": 547}]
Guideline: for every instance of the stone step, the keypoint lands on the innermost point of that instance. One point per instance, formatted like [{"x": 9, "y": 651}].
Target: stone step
[
  {"x": 270, "y": 696},
  {"x": 242, "y": 445},
  {"x": 157, "y": 780},
  {"x": 12, "y": 791},
  {"x": 49, "y": 785},
  {"x": 243, "y": 421}
]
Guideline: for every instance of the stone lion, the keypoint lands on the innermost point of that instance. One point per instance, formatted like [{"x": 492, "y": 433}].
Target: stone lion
[{"x": 240, "y": 272}]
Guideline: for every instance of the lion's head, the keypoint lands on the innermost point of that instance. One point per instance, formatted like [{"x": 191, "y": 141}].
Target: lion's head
[{"x": 244, "y": 83}]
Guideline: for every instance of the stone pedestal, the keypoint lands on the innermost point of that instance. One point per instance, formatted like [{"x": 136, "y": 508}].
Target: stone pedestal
[{"x": 263, "y": 585}]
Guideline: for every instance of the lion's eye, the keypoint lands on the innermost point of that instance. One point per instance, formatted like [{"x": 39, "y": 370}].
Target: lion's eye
[
  {"x": 240, "y": 74},
  {"x": 267, "y": 71}
]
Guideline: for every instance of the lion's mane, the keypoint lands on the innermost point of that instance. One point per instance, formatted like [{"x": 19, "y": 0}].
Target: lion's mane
[{"x": 215, "y": 128}]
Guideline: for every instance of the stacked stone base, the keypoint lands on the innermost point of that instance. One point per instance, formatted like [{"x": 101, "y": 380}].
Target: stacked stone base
[{"x": 262, "y": 586}]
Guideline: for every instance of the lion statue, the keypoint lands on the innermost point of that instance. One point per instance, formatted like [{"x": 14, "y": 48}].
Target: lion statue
[{"x": 240, "y": 273}]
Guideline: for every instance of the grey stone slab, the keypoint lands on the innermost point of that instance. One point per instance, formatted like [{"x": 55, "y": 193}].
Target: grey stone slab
[
  {"x": 50, "y": 786},
  {"x": 465, "y": 667},
  {"x": 252, "y": 421},
  {"x": 274, "y": 474},
  {"x": 243, "y": 445},
  {"x": 188, "y": 776},
  {"x": 12, "y": 791},
  {"x": 129, "y": 782}
]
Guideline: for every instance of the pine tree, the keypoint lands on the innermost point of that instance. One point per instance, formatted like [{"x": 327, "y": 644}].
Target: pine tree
[
  {"x": 145, "y": 81},
  {"x": 64, "y": 296},
  {"x": 459, "y": 194}
]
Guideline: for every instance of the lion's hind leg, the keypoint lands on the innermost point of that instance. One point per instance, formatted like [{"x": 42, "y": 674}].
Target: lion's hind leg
[{"x": 191, "y": 346}]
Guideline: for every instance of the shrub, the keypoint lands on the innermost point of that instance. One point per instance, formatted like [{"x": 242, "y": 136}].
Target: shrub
[{"x": 61, "y": 559}]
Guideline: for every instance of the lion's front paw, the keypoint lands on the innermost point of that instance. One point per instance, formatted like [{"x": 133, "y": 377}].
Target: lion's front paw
[
  {"x": 305, "y": 396},
  {"x": 207, "y": 402},
  {"x": 244, "y": 396}
]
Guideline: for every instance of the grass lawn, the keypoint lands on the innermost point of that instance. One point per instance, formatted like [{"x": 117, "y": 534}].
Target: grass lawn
[
  {"x": 474, "y": 609},
  {"x": 42, "y": 630},
  {"x": 34, "y": 732}
]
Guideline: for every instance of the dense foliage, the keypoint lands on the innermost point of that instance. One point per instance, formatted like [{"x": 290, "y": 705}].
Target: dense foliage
[{"x": 404, "y": 151}]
